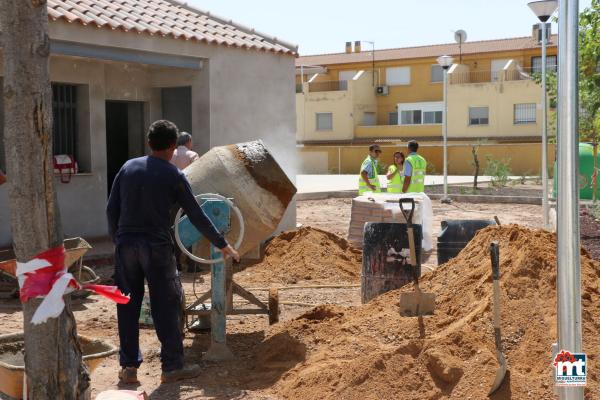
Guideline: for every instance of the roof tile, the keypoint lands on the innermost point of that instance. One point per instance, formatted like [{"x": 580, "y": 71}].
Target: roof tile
[
  {"x": 167, "y": 17},
  {"x": 482, "y": 46}
]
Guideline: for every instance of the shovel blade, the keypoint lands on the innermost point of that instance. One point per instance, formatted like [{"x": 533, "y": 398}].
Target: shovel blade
[
  {"x": 500, "y": 373},
  {"x": 415, "y": 304}
]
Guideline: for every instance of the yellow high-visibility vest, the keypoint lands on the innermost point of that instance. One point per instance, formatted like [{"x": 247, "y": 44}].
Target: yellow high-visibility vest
[
  {"x": 417, "y": 178},
  {"x": 395, "y": 184},
  {"x": 374, "y": 180}
]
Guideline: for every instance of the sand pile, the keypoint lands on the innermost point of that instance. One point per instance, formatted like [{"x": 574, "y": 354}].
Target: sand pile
[
  {"x": 371, "y": 352},
  {"x": 306, "y": 254}
]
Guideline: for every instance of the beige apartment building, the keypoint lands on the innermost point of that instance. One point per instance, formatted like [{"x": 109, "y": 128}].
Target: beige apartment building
[{"x": 346, "y": 101}]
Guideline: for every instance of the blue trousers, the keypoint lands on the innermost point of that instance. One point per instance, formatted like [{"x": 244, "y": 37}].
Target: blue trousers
[{"x": 138, "y": 257}]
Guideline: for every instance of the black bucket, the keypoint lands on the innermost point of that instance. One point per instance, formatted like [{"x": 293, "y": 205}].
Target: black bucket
[
  {"x": 455, "y": 235},
  {"x": 386, "y": 260}
]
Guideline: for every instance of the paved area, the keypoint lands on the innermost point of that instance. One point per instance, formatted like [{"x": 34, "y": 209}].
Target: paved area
[{"x": 334, "y": 183}]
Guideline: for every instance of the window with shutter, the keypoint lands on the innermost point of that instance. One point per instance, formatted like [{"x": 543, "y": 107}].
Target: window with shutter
[{"x": 525, "y": 113}]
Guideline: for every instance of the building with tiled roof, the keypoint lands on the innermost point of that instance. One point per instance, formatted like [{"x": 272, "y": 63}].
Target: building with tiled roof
[
  {"x": 346, "y": 101},
  {"x": 164, "y": 18},
  {"x": 118, "y": 65},
  {"x": 405, "y": 53}
]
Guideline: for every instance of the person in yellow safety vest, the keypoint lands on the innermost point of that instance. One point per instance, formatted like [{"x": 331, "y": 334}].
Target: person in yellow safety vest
[
  {"x": 415, "y": 167},
  {"x": 395, "y": 176},
  {"x": 368, "y": 180}
]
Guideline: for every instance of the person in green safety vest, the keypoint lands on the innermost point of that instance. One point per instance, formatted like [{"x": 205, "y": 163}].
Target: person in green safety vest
[
  {"x": 368, "y": 180},
  {"x": 395, "y": 176},
  {"x": 415, "y": 167}
]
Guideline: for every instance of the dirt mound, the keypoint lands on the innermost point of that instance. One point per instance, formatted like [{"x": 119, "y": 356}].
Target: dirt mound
[
  {"x": 371, "y": 352},
  {"x": 590, "y": 232},
  {"x": 306, "y": 254}
]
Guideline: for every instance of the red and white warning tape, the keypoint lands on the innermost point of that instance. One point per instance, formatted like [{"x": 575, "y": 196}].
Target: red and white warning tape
[{"x": 46, "y": 276}]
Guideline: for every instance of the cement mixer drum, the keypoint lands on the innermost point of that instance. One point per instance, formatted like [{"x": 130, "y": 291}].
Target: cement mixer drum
[{"x": 249, "y": 174}]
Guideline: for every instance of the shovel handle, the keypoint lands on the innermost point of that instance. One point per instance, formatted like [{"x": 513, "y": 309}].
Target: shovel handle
[
  {"x": 407, "y": 214},
  {"x": 495, "y": 257}
]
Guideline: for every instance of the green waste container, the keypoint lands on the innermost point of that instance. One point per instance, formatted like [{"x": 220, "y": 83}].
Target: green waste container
[{"x": 586, "y": 169}]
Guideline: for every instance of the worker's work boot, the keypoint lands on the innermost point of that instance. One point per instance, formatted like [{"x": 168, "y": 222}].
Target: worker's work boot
[
  {"x": 187, "y": 372},
  {"x": 128, "y": 375}
]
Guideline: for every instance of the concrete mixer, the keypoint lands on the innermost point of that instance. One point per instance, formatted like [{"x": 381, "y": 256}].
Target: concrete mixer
[{"x": 244, "y": 179}]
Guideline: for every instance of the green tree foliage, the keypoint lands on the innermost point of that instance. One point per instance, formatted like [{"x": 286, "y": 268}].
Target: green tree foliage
[
  {"x": 589, "y": 72},
  {"x": 589, "y": 78}
]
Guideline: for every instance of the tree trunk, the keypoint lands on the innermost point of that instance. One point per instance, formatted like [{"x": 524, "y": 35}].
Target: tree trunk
[
  {"x": 476, "y": 165},
  {"x": 52, "y": 353}
]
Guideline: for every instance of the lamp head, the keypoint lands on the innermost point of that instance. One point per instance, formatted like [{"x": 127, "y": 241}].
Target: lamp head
[
  {"x": 543, "y": 9},
  {"x": 445, "y": 61}
]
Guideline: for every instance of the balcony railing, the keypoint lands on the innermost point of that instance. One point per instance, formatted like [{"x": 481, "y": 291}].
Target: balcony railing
[
  {"x": 490, "y": 76},
  {"x": 472, "y": 77},
  {"x": 328, "y": 86}
]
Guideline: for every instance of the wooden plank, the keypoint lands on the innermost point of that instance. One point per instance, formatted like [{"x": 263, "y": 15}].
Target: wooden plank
[{"x": 240, "y": 291}]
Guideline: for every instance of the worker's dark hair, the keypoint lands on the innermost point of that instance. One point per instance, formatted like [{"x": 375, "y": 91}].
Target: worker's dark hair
[
  {"x": 399, "y": 153},
  {"x": 413, "y": 145},
  {"x": 373, "y": 147},
  {"x": 162, "y": 134},
  {"x": 184, "y": 138}
]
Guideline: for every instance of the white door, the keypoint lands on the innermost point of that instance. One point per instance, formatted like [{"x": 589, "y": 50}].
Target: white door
[{"x": 497, "y": 67}]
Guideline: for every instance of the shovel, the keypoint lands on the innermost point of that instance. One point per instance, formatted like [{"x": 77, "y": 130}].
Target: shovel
[
  {"x": 495, "y": 255},
  {"x": 418, "y": 302}
]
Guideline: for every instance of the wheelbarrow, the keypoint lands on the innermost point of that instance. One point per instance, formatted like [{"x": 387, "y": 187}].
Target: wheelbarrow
[
  {"x": 12, "y": 363},
  {"x": 75, "y": 249}
]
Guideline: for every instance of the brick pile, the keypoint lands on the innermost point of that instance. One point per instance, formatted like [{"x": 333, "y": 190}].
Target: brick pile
[{"x": 375, "y": 208}]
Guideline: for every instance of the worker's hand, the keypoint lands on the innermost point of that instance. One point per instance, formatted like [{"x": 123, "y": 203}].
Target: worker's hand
[
  {"x": 230, "y": 252},
  {"x": 373, "y": 188}
]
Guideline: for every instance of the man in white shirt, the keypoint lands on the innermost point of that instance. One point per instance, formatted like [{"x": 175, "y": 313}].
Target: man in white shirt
[{"x": 184, "y": 155}]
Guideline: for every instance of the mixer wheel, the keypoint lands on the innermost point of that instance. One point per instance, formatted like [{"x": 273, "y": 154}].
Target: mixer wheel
[{"x": 273, "y": 306}]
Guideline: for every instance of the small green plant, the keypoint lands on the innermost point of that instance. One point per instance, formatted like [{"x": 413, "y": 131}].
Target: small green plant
[
  {"x": 498, "y": 171},
  {"x": 523, "y": 177},
  {"x": 594, "y": 209}
]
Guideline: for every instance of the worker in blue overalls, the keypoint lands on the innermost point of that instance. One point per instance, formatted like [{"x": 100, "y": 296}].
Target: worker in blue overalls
[{"x": 143, "y": 193}]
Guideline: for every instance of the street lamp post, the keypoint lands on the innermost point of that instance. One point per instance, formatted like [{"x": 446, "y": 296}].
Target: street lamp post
[
  {"x": 543, "y": 9},
  {"x": 372, "y": 59},
  {"x": 568, "y": 274},
  {"x": 445, "y": 62}
]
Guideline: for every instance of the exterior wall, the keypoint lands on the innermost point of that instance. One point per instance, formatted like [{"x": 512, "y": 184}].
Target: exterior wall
[
  {"x": 421, "y": 88},
  {"x": 239, "y": 95},
  {"x": 500, "y": 97},
  {"x": 523, "y": 159},
  {"x": 395, "y": 131},
  {"x": 347, "y": 107}
]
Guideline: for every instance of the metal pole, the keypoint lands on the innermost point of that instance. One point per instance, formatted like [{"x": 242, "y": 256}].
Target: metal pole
[
  {"x": 218, "y": 349},
  {"x": 445, "y": 198},
  {"x": 373, "y": 60},
  {"x": 568, "y": 256},
  {"x": 544, "y": 132}
]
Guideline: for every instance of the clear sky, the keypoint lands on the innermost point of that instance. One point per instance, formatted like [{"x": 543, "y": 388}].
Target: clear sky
[{"x": 323, "y": 26}]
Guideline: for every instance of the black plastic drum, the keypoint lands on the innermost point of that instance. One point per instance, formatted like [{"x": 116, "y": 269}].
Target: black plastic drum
[
  {"x": 455, "y": 235},
  {"x": 386, "y": 258}
]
